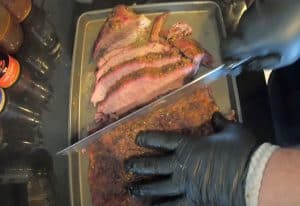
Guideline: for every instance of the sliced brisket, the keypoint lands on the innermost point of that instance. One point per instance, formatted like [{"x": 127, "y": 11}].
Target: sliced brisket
[
  {"x": 116, "y": 73},
  {"x": 157, "y": 26},
  {"x": 143, "y": 86},
  {"x": 113, "y": 54},
  {"x": 180, "y": 30},
  {"x": 191, "y": 49},
  {"x": 131, "y": 53},
  {"x": 123, "y": 27},
  {"x": 126, "y": 76}
]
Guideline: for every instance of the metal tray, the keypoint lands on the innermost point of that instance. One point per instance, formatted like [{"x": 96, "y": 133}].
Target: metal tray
[{"x": 208, "y": 28}]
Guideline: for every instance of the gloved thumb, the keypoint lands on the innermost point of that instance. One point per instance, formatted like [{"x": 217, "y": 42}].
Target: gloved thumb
[{"x": 219, "y": 122}]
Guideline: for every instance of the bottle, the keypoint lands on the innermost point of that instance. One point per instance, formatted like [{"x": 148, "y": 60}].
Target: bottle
[
  {"x": 39, "y": 63},
  {"x": 11, "y": 34},
  {"x": 40, "y": 187},
  {"x": 40, "y": 190},
  {"x": 20, "y": 139},
  {"x": 18, "y": 113},
  {"x": 21, "y": 167},
  {"x": 21, "y": 83},
  {"x": 3, "y": 143},
  {"x": 14, "y": 169},
  {"x": 39, "y": 28},
  {"x": 20, "y": 9},
  {"x": 29, "y": 91}
]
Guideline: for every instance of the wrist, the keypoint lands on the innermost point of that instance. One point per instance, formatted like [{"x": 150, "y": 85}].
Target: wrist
[{"x": 256, "y": 169}]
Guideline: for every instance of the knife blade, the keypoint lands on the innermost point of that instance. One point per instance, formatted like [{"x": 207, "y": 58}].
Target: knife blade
[{"x": 205, "y": 79}]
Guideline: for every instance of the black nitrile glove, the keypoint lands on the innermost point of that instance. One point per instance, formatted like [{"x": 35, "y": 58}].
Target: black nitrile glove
[
  {"x": 269, "y": 30},
  {"x": 201, "y": 171}
]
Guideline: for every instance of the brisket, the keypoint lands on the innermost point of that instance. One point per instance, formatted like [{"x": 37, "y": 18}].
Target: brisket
[
  {"x": 141, "y": 87},
  {"x": 131, "y": 53},
  {"x": 180, "y": 30},
  {"x": 123, "y": 27},
  {"x": 136, "y": 66},
  {"x": 113, "y": 54},
  {"x": 191, "y": 49},
  {"x": 157, "y": 26},
  {"x": 116, "y": 73},
  {"x": 108, "y": 180}
]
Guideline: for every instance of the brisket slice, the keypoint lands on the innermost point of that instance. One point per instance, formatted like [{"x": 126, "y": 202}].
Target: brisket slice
[
  {"x": 141, "y": 87},
  {"x": 157, "y": 26},
  {"x": 191, "y": 49},
  {"x": 180, "y": 30},
  {"x": 116, "y": 73},
  {"x": 113, "y": 53},
  {"x": 131, "y": 53},
  {"x": 122, "y": 27}
]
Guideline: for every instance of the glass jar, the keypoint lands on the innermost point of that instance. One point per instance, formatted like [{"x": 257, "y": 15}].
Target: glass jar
[
  {"x": 21, "y": 83},
  {"x": 11, "y": 110},
  {"x": 40, "y": 29},
  {"x": 20, "y": 9},
  {"x": 11, "y": 35},
  {"x": 37, "y": 61}
]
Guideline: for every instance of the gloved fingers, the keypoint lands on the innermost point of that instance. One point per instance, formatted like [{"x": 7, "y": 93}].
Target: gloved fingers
[
  {"x": 233, "y": 48},
  {"x": 237, "y": 48},
  {"x": 158, "y": 189},
  {"x": 264, "y": 62},
  {"x": 219, "y": 122},
  {"x": 244, "y": 43},
  {"x": 176, "y": 202},
  {"x": 159, "y": 140},
  {"x": 149, "y": 165}
]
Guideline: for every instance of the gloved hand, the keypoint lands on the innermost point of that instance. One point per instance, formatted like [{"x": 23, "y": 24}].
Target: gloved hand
[
  {"x": 269, "y": 30},
  {"x": 201, "y": 171}
]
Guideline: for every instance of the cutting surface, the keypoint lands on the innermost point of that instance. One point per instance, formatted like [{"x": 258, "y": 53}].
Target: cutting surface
[{"x": 207, "y": 29}]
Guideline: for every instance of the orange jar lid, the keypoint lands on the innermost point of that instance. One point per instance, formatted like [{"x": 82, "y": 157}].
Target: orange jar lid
[
  {"x": 5, "y": 19},
  {"x": 9, "y": 70}
]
